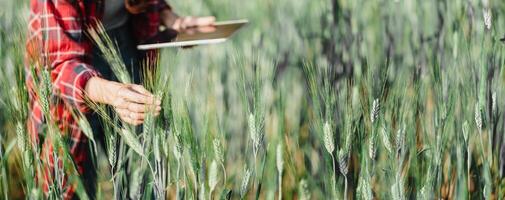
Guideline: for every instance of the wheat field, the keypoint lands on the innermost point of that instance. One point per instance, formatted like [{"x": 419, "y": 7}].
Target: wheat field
[{"x": 314, "y": 99}]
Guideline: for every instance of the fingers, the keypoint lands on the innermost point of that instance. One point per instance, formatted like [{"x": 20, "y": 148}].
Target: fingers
[
  {"x": 131, "y": 121},
  {"x": 206, "y": 29},
  {"x": 132, "y": 96},
  {"x": 134, "y": 115},
  {"x": 125, "y": 117},
  {"x": 119, "y": 102},
  {"x": 204, "y": 21},
  {"x": 137, "y": 94},
  {"x": 140, "y": 108},
  {"x": 140, "y": 89},
  {"x": 133, "y": 103},
  {"x": 188, "y": 22},
  {"x": 134, "y": 118}
]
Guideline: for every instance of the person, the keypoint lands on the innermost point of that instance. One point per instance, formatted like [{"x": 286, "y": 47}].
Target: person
[{"x": 57, "y": 41}]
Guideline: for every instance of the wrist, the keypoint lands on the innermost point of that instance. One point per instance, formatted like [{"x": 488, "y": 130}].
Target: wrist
[
  {"x": 100, "y": 90},
  {"x": 169, "y": 18}
]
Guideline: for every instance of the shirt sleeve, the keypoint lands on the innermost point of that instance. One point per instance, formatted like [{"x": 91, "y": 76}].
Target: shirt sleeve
[{"x": 65, "y": 49}]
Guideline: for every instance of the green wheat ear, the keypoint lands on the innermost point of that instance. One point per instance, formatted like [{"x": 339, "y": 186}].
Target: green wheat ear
[
  {"x": 132, "y": 141},
  {"x": 213, "y": 176},
  {"x": 327, "y": 81},
  {"x": 329, "y": 144},
  {"x": 244, "y": 188},
  {"x": 110, "y": 51}
]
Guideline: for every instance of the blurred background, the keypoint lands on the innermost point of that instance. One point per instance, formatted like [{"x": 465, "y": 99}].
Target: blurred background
[{"x": 433, "y": 66}]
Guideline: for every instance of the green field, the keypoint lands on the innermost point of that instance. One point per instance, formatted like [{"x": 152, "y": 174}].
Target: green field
[{"x": 314, "y": 99}]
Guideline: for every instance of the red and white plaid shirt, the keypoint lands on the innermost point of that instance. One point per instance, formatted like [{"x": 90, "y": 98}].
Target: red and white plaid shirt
[{"x": 57, "y": 40}]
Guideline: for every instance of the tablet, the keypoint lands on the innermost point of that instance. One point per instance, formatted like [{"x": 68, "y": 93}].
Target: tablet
[{"x": 217, "y": 33}]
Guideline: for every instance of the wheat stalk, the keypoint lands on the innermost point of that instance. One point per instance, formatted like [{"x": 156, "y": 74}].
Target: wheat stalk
[
  {"x": 213, "y": 177},
  {"x": 178, "y": 145},
  {"x": 156, "y": 147},
  {"x": 201, "y": 194},
  {"x": 397, "y": 190},
  {"x": 244, "y": 187},
  {"x": 385, "y": 140},
  {"x": 280, "y": 165},
  {"x": 111, "y": 148},
  {"x": 478, "y": 117},
  {"x": 375, "y": 111},
  {"x": 374, "y": 114},
  {"x": 254, "y": 134},
  {"x": 494, "y": 106},
  {"x": 487, "y": 18},
  {"x": 110, "y": 51},
  {"x": 218, "y": 150},
  {"x": 45, "y": 92},
  {"x": 303, "y": 190},
  {"x": 371, "y": 147},
  {"x": 85, "y": 127},
  {"x": 135, "y": 183},
  {"x": 330, "y": 147},
  {"x": 465, "y": 129},
  {"x": 343, "y": 160},
  {"x": 400, "y": 140},
  {"x": 328, "y": 138},
  {"x": 22, "y": 139},
  {"x": 16, "y": 103},
  {"x": 219, "y": 156},
  {"x": 132, "y": 141}
]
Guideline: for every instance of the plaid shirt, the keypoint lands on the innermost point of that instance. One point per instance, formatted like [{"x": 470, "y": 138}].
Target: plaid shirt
[{"x": 57, "y": 41}]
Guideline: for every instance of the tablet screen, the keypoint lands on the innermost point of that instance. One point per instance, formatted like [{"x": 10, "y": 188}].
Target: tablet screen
[{"x": 217, "y": 33}]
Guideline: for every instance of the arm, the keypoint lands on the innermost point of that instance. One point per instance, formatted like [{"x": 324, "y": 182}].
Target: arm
[
  {"x": 171, "y": 20},
  {"x": 130, "y": 101},
  {"x": 57, "y": 30},
  {"x": 66, "y": 49}
]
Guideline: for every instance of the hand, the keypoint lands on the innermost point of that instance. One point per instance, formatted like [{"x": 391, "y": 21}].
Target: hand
[
  {"x": 131, "y": 102},
  {"x": 183, "y": 23},
  {"x": 173, "y": 21}
]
